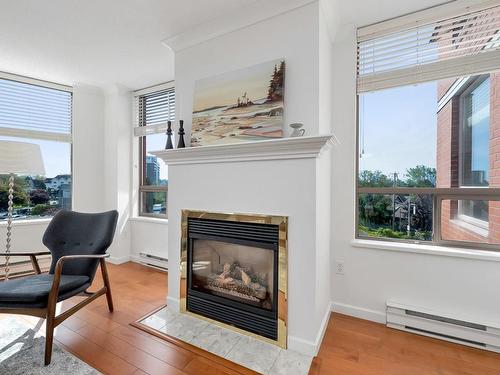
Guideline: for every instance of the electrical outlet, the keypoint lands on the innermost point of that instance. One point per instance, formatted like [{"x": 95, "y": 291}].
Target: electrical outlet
[{"x": 339, "y": 267}]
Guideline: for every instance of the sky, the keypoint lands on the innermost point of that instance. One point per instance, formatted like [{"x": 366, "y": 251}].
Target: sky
[
  {"x": 155, "y": 142},
  {"x": 224, "y": 89},
  {"x": 398, "y": 128},
  {"x": 56, "y": 155}
]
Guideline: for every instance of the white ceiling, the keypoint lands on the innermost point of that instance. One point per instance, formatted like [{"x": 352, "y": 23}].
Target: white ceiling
[
  {"x": 99, "y": 42},
  {"x": 103, "y": 42}
]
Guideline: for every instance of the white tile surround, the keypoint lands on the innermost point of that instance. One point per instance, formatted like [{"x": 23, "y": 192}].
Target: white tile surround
[{"x": 246, "y": 351}]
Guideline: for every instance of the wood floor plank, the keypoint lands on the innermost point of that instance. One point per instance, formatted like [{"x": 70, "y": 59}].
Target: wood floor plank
[
  {"x": 350, "y": 346},
  {"x": 128, "y": 352},
  {"x": 104, "y": 360}
]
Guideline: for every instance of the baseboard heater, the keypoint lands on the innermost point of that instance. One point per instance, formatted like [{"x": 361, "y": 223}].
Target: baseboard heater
[
  {"x": 444, "y": 327},
  {"x": 154, "y": 261}
]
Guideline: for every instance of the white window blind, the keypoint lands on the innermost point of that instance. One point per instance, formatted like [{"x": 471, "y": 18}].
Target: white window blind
[
  {"x": 423, "y": 47},
  {"x": 33, "y": 111},
  {"x": 153, "y": 111}
]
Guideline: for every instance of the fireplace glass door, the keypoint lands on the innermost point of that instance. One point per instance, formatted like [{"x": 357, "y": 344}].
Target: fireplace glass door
[{"x": 239, "y": 273}]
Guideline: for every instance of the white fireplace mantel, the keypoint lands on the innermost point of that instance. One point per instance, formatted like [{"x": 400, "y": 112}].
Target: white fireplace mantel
[{"x": 274, "y": 149}]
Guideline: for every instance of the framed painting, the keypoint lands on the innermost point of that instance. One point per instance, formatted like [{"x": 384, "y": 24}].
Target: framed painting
[{"x": 240, "y": 106}]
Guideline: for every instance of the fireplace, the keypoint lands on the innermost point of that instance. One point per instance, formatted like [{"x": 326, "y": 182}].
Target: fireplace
[{"x": 234, "y": 271}]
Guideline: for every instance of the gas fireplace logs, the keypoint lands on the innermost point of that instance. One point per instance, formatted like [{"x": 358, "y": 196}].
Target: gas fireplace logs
[{"x": 238, "y": 282}]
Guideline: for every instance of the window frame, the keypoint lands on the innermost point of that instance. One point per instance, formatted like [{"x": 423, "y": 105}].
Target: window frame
[
  {"x": 25, "y": 134},
  {"x": 142, "y": 187},
  {"x": 438, "y": 195},
  {"x": 478, "y": 226}
]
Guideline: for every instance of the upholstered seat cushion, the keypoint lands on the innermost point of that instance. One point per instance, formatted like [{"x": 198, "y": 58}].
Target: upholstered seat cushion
[{"x": 34, "y": 290}]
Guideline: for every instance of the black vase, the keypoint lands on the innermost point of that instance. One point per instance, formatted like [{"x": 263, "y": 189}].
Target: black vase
[
  {"x": 169, "y": 144},
  {"x": 181, "y": 143}
]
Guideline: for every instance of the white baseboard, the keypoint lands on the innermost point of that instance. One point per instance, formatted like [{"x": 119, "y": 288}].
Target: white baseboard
[
  {"x": 359, "y": 312},
  {"x": 309, "y": 347},
  {"x": 119, "y": 260}
]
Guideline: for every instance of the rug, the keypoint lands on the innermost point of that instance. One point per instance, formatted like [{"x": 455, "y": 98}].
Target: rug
[{"x": 22, "y": 353}]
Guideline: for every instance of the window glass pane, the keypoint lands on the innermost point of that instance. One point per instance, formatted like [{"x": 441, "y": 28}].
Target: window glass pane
[
  {"x": 475, "y": 209},
  {"x": 395, "y": 216},
  {"x": 470, "y": 221},
  {"x": 154, "y": 203},
  {"x": 397, "y": 136},
  {"x": 155, "y": 170},
  {"x": 475, "y": 134},
  {"x": 431, "y": 134},
  {"x": 41, "y": 196}
]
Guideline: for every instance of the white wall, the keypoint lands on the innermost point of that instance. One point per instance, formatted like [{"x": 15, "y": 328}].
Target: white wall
[
  {"x": 292, "y": 36},
  {"x": 88, "y": 148},
  {"x": 149, "y": 236},
  {"x": 442, "y": 283},
  {"x": 117, "y": 161}
]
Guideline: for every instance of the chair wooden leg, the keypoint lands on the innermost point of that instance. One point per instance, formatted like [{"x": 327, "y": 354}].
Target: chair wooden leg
[
  {"x": 49, "y": 337},
  {"x": 105, "y": 278}
]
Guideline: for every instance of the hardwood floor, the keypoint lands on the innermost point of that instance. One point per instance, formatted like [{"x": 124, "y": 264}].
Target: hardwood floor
[{"x": 351, "y": 346}]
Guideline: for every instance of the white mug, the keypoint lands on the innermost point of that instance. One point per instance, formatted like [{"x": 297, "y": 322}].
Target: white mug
[{"x": 297, "y": 131}]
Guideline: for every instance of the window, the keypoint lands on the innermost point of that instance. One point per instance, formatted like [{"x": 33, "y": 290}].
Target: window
[
  {"x": 41, "y": 113},
  {"x": 474, "y": 150},
  {"x": 427, "y": 129},
  {"x": 155, "y": 107}
]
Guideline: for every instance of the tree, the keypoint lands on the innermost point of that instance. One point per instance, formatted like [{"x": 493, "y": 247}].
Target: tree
[
  {"x": 40, "y": 209},
  {"x": 20, "y": 197},
  {"x": 374, "y": 179},
  {"x": 39, "y": 196},
  {"x": 421, "y": 176},
  {"x": 39, "y": 183},
  {"x": 275, "y": 89}
]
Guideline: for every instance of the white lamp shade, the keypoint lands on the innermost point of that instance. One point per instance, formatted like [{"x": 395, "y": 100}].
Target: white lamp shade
[{"x": 21, "y": 158}]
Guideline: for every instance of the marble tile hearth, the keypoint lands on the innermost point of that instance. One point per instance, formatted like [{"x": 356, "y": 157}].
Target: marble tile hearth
[{"x": 246, "y": 351}]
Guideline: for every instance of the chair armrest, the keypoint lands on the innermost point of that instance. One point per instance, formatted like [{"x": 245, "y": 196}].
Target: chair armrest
[
  {"x": 32, "y": 256},
  {"x": 27, "y": 254},
  {"x": 58, "y": 271}
]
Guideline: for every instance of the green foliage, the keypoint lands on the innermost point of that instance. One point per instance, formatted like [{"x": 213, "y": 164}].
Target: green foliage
[
  {"x": 388, "y": 233},
  {"x": 381, "y": 215},
  {"x": 20, "y": 187},
  {"x": 421, "y": 176},
  {"x": 39, "y": 183},
  {"x": 40, "y": 209},
  {"x": 374, "y": 179}
]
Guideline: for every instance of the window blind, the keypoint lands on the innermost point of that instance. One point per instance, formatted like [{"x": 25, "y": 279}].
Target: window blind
[
  {"x": 153, "y": 112},
  {"x": 428, "y": 49},
  {"x": 32, "y": 111}
]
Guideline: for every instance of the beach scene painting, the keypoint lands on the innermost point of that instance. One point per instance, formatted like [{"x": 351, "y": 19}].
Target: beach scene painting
[{"x": 239, "y": 106}]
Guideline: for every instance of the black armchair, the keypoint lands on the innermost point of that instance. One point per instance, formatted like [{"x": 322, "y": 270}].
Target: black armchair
[{"x": 77, "y": 243}]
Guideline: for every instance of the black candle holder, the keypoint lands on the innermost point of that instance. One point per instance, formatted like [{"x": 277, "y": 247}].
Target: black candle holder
[
  {"x": 181, "y": 143},
  {"x": 169, "y": 144}
]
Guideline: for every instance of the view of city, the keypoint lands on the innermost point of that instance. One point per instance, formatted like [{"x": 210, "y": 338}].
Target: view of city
[
  {"x": 155, "y": 174},
  {"x": 35, "y": 197},
  {"x": 154, "y": 202}
]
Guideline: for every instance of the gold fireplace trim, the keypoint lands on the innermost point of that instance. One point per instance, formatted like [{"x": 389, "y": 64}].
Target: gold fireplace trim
[{"x": 282, "y": 222}]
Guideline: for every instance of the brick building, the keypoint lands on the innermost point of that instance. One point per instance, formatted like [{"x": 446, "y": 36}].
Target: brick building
[{"x": 468, "y": 154}]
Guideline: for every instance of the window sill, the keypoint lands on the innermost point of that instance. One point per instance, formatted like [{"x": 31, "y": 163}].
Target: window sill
[
  {"x": 428, "y": 249},
  {"x": 473, "y": 225},
  {"x": 26, "y": 222},
  {"x": 152, "y": 220}
]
